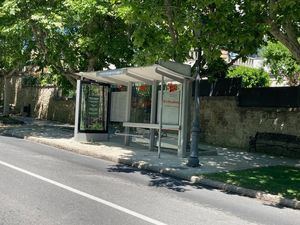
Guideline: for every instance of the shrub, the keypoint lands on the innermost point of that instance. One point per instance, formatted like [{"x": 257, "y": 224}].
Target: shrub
[{"x": 251, "y": 77}]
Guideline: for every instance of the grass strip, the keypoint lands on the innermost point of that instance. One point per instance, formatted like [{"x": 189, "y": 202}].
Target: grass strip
[{"x": 278, "y": 180}]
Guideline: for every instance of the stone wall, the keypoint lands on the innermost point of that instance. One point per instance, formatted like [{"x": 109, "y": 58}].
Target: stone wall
[
  {"x": 62, "y": 111},
  {"x": 45, "y": 105},
  {"x": 14, "y": 85},
  {"x": 224, "y": 123},
  {"x": 43, "y": 102}
]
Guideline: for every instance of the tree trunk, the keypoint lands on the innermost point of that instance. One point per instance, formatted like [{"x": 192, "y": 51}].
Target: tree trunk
[
  {"x": 285, "y": 32},
  {"x": 70, "y": 78},
  {"x": 291, "y": 43},
  {"x": 171, "y": 26},
  {"x": 6, "y": 79},
  {"x": 6, "y": 96},
  {"x": 92, "y": 62}
]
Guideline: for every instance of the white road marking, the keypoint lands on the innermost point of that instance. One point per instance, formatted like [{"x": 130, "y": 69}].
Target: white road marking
[{"x": 84, "y": 194}]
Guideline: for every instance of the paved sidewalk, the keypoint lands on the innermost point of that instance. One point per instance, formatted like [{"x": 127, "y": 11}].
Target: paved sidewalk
[{"x": 61, "y": 136}]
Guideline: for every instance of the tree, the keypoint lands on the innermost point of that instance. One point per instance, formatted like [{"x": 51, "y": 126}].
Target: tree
[
  {"x": 100, "y": 37},
  {"x": 170, "y": 29},
  {"x": 159, "y": 31},
  {"x": 282, "y": 63},
  {"x": 282, "y": 18},
  {"x": 69, "y": 35},
  {"x": 24, "y": 28},
  {"x": 14, "y": 48},
  {"x": 278, "y": 19},
  {"x": 61, "y": 37}
]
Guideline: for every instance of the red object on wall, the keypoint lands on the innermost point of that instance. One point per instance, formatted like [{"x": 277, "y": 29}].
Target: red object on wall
[
  {"x": 142, "y": 88},
  {"x": 172, "y": 87}
]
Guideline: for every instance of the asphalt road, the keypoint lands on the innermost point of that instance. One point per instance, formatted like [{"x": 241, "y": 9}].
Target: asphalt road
[{"x": 44, "y": 185}]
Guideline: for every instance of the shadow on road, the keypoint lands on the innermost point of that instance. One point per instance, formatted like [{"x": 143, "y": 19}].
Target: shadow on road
[{"x": 156, "y": 179}]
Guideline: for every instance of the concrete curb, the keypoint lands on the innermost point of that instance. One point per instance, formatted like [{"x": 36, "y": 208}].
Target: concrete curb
[
  {"x": 177, "y": 173},
  {"x": 269, "y": 198},
  {"x": 272, "y": 199}
]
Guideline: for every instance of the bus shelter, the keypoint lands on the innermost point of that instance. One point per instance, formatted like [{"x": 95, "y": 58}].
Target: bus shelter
[{"x": 97, "y": 106}]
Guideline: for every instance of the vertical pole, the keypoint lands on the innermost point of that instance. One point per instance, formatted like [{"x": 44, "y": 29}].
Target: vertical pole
[
  {"x": 103, "y": 109},
  {"x": 128, "y": 109},
  {"x": 6, "y": 96},
  {"x": 153, "y": 114},
  {"x": 160, "y": 114},
  {"x": 180, "y": 121},
  {"x": 193, "y": 160},
  {"x": 77, "y": 107}
]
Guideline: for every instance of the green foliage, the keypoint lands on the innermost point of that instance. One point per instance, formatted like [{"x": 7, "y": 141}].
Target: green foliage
[
  {"x": 30, "y": 81},
  {"x": 65, "y": 35},
  {"x": 101, "y": 38},
  {"x": 49, "y": 79},
  {"x": 215, "y": 69},
  {"x": 76, "y": 35},
  {"x": 160, "y": 32},
  {"x": 27, "y": 30},
  {"x": 170, "y": 29},
  {"x": 282, "y": 63},
  {"x": 251, "y": 77}
]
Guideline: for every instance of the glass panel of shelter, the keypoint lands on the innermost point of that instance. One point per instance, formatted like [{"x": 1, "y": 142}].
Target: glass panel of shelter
[
  {"x": 171, "y": 113},
  {"x": 141, "y": 111}
]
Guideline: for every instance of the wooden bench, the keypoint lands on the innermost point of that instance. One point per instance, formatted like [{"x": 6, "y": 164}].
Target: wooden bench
[{"x": 275, "y": 144}]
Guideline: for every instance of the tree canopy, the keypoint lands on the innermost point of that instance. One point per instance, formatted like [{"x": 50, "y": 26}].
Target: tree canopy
[
  {"x": 170, "y": 29},
  {"x": 64, "y": 36},
  {"x": 67, "y": 36},
  {"x": 282, "y": 63}
]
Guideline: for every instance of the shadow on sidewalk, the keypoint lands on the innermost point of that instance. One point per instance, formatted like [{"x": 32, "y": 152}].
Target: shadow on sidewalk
[{"x": 37, "y": 131}]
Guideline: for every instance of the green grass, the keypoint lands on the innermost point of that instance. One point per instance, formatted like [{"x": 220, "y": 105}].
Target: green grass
[{"x": 278, "y": 180}]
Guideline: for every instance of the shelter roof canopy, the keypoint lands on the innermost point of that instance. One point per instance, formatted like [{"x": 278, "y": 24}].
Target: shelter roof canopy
[{"x": 147, "y": 74}]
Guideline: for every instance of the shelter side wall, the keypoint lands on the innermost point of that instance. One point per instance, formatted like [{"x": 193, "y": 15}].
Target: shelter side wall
[{"x": 223, "y": 123}]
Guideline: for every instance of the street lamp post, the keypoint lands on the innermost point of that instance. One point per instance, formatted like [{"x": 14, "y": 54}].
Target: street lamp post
[{"x": 193, "y": 160}]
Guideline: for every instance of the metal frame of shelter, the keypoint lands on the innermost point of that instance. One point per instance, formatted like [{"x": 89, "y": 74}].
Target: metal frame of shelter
[{"x": 153, "y": 75}]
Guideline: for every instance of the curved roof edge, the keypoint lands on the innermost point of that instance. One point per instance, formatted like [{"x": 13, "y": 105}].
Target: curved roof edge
[{"x": 144, "y": 74}]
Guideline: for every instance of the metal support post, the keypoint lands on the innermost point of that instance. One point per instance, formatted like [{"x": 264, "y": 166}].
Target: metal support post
[
  {"x": 153, "y": 115},
  {"x": 182, "y": 135},
  {"x": 193, "y": 160},
  {"x": 160, "y": 115},
  {"x": 77, "y": 107},
  {"x": 128, "y": 109}
]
